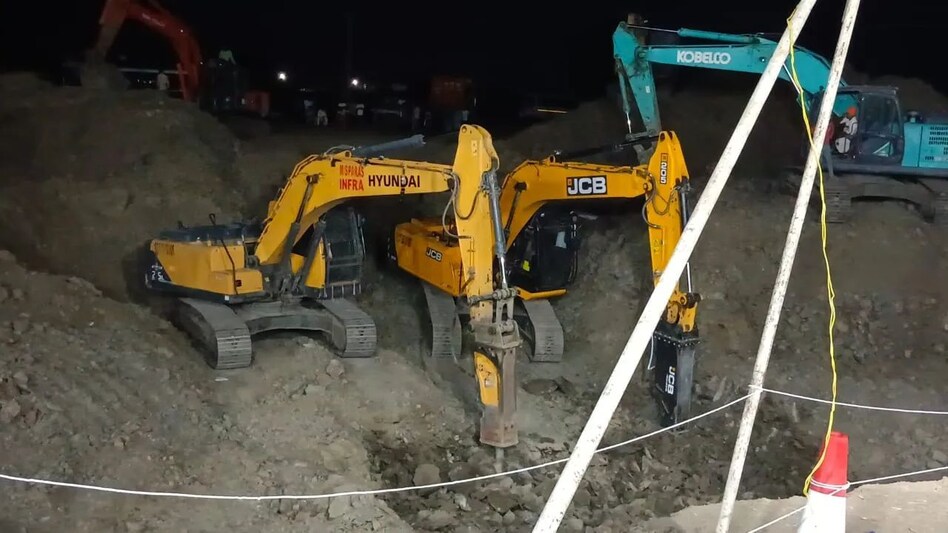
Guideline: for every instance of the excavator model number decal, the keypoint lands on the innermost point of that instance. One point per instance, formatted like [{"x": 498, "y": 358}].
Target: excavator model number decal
[
  {"x": 585, "y": 185},
  {"x": 434, "y": 254},
  {"x": 394, "y": 180},
  {"x": 663, "y": 170}
]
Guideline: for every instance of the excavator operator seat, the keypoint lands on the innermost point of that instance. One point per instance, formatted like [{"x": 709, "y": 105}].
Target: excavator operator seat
[{"x": 545, "y": 255}]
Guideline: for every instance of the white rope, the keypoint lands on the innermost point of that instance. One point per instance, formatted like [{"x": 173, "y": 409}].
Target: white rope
[
  {"x": 373, "y": 492},
  {"x": 897, "y": 476},
  {"x": 863, "y": 482},
  {"x": 774, "y": 521},
  {"x": 853, "y": 405}
]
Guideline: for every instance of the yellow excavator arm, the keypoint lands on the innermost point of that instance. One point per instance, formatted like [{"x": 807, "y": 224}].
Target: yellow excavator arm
[
  {"x": 321, "y": 182},
  {"x": 288, "y": 253},
  {"x": 458, "y": 259},
  {"x": 480, "y": 243},
  {"x": 535, "y": 184},
  {"x": 664, "y": 182}
]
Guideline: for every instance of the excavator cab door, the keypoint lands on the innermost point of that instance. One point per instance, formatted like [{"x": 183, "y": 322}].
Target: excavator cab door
[
  {"x": 545, "y": 254},
  {"x": 344, "y": 243},
  {"x": 339, "y": 251}
]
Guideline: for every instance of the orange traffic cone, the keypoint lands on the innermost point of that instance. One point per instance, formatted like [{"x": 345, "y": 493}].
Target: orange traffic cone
[{"x": 826, "y": 500}]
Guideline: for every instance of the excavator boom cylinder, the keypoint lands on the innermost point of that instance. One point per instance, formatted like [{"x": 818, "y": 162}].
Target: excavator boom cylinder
[{"x": 496, "y": 218}]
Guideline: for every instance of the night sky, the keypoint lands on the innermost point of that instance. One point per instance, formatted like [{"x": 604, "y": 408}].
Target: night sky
[{"x": 539, "y": 48}]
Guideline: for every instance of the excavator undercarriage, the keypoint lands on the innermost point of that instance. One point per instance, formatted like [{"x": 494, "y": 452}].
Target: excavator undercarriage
[
  {"x": 541, "y": 260},
  {"x": 224, "y": 327},
  {"x": 536, "y": 320}
]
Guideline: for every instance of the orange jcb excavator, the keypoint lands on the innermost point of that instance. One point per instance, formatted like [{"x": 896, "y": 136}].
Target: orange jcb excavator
[{"x": 199, "y": 82}]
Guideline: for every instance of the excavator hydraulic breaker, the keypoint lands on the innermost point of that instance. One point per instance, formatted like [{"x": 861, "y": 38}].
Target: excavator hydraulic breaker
[
  {"x": 497, "y": 382},
  {"x": 672, "y": 361},
  {"x": 495, "y": 366}
]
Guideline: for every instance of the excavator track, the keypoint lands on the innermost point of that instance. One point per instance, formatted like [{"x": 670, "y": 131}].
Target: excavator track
[
  {"x": 224, "y": 336},
  {"x": 839, "y": 203},
  {"x": 353, "y": 330},
  {"x": 545, "y": 331},
  {"x": 445, "y": 324},
  {"x": 225, "y": 331},
  {"x": 941, "y": 209}
]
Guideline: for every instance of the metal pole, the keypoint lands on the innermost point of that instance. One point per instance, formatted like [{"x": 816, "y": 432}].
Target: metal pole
[
  {"x": 786, "y": 266},
  {"x": 572, "y": 473}
]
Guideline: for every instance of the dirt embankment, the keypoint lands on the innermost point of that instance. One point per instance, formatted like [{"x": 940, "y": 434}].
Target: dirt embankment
[{"x": 87, "y": 176}]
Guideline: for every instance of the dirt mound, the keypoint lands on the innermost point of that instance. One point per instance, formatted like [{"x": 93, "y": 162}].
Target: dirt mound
[
  {"x": 703, "y": 116},
  {"x": 917, "y": 95},
  {"x": 703, "y": 110},
  {"x": 593, "y": 123},
  {"x": 87, "y": 176},
  {"x": 94, "y": 176},
  {"x": 104, "y": 392}
]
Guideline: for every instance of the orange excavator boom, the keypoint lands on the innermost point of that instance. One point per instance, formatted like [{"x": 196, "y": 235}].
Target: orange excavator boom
[{"x": 159, "y": 19}]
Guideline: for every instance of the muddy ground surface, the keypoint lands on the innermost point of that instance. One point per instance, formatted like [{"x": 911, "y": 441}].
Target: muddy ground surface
[{"x": 96, "y": 386}]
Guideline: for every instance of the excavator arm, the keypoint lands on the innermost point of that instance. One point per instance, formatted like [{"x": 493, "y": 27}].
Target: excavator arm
[
  {"x": 461, "y": 261},
  {"x": 664, "y": 182},
  {"x": 289, "y": 253},
  {"x": 481, "y": 244},
  {"x": 720, "y": 51},
  {"x": 157, "y": 18}
]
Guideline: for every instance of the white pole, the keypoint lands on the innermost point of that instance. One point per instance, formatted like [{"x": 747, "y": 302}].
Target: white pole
[
  {"x": 575, "y": 468},
  {"x": 786, "y": 266}
]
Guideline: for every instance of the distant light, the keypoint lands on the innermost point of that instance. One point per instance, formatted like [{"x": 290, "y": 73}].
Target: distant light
[
  {"x": 354, "y": 82},
  {"x": 558, "y": 111},
  {"x": 281, "y": 76}
]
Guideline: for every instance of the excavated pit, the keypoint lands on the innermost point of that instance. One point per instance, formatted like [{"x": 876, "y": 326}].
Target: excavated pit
[{"x": 86, "y": 178}]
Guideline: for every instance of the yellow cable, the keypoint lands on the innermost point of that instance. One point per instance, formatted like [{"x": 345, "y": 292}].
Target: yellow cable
[{"x": 830, "y": 292}]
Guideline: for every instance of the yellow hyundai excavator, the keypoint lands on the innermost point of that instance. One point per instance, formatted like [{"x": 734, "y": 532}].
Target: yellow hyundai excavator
[
  {"x": 541, "y": 257},
  {"x": 297, "y": 269}
]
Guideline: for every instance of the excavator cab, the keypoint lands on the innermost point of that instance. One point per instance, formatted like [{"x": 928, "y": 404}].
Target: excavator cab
[
  {"x": 344, "y": 250},
  {"x": 544, "y": 257},
  {"x": 867, "y": 126},
  {"x": 879, "y": 138}
]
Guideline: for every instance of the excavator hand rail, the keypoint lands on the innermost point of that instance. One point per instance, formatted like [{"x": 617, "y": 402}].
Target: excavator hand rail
[{"x": 376, "y": 150}]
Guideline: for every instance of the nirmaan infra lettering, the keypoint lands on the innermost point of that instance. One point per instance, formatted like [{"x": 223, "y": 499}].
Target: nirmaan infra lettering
[{"x": 394, "y": 180}]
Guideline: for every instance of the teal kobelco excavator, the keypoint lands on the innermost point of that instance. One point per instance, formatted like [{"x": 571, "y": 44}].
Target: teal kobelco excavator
[{"x": 873, "y": 147}]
